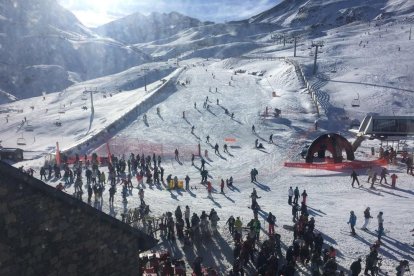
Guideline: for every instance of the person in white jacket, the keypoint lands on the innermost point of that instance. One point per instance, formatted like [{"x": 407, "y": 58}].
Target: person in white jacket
[{"x": 290, "y": 194}]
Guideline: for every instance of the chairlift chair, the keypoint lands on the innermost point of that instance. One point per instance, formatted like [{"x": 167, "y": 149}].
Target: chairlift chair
[
  {"x": 355, "y": 102},
  {"x": 58, "y": 122},
  {"x": 21, "y": 141},
  {"x": 29, "y": 128},
  {"x": 62, "y": 110},
  {"x": 84, "y": 97}
]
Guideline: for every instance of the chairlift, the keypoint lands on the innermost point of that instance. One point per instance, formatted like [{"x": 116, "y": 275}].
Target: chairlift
[
  {"x": 355, "y": 102},
  {"x": 84, "y": 97},
  {"x": 21, "y": 141},
  {"x": 58, "y": 122},
  {"x": 29, "y": 128},
  {"x": 62, "y": 110}
]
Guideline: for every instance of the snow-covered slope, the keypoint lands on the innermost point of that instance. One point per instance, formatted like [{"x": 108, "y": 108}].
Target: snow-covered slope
[
  {"x": 331, "y": 13},
  {"x": 45, "y": 48}
]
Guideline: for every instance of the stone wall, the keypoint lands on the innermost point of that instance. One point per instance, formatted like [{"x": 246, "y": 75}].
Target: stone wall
[{"x": 44, "y": 231}]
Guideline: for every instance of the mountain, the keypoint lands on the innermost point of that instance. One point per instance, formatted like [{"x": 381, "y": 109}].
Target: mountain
[
  {"x": 138, "y": 28},
  {"x": 331, "y": 13},
  {"x": 44, "y": 48}
]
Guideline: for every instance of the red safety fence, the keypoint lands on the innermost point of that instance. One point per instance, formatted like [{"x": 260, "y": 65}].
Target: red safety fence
[{"x": 356, "y": 164}]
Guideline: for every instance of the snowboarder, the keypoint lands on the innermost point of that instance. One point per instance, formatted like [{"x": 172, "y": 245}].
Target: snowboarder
[
  {"x": 352, "y": 222},
  {"x": 296, "y": 194},
  {"x": 290, "y": 195},
  {"x": 383, "y": 175},
  {"x": 354, "y": 177},
  {"x": 393, "y": 180}
]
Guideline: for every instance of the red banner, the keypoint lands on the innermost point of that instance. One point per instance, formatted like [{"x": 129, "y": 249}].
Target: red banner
[{"x": 337, "y": 166}]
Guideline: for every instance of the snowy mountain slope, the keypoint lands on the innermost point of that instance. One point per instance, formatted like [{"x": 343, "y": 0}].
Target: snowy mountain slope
[
  {"x": 42, "y": 45},
  {"x": 138, "y": 28},
  {"x": 331, "y": 13}
]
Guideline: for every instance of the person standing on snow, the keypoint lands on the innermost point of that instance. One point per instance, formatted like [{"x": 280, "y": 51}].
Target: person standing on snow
[
  {"x": 370, "y": 173},
  {"x": 271, "y": 219},
  {"x": 296, "y": 194},
  {"x": 393, "y": 180},
  {"x": 356, "y": 267},
  {"x": 222, "y": 186},
  {"x": 216, "y": 149},
  {"x": 383, "y": 175},
  {"x": 271, "y": 139},
  {"x": 187, "y": 182},
  {"x": 354, "y": 177},
  {"x": 367, "y": 217},
  {"x": 352, "y": 222},
  {"x": 253, "y": 129},
  {"x": 304, "y": 196},
  {"x": 231, "y": 222},
  {"x": 290, "y": 195},
  {"x": 187, "y": 216}
]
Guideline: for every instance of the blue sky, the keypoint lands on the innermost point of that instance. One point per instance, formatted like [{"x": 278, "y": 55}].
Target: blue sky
[{"x": 93, "y": 13}]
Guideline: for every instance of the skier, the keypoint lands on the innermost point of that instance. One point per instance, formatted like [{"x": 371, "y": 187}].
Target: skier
[
  {"x": 111, "y": 194},
  {"x": 216, "y": 149},
  {"x": 253, "y": 129},
  {"x": 225, "y": 148},
  {"x": 271, "y": 219},
  {"x": 195, "y": 105},
  {"x": 352, "y": 222},
  {"x": 203, "y": 162},
  {"x": 192, "y": 159},
  {"x": 304, "y": 196},
  {"x": 367, "y": 217},
  {"x": 222, "y": 186},
  {"x": 271, "y": 139},
  {"x": 218, "y": 103},
  {"x": 192, "y": 129},
  {"x": 354, "y": 177},
  {"x": 141, "y": 196},
  {"x": 296, "y": 194},
  {"x": 209, "y": 188},
  {"x": 232, "y": 115},
  {"x": 178, "y": 213},
  {"x": 231, "y": 222},
  {"x": 383, "y": 175},
  {"x": 290, "y": 195},
  {"x": 380, "y": 219},
  {"x": 373, "y": 180},
  {"x": 187, "y": 182},
  {"x": 256, "y": 143},
  {"x": 208, "y": 139},
  {"x": 356, "y": 267},
  {"x": 393, "y": 180}
]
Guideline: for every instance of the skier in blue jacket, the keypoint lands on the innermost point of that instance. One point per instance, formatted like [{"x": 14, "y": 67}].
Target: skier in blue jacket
[{"x": 352, "y": 222}]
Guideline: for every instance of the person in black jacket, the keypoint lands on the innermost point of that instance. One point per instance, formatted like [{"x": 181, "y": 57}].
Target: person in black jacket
[{"x": 356, "y": 267}]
